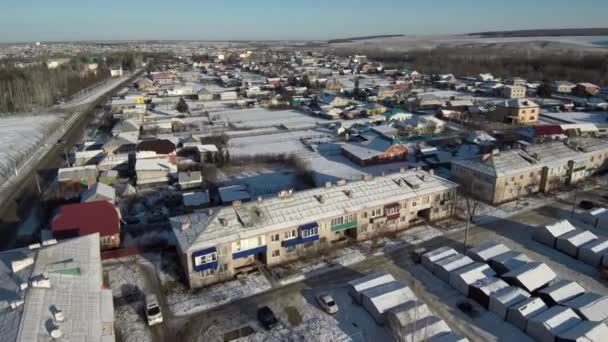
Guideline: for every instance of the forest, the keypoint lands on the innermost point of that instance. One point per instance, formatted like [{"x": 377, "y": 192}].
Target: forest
[
  {"x": 470, "y": 61},
  {"x": 34, "y": 87}
]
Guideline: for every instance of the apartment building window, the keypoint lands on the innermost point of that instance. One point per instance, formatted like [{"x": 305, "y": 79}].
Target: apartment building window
[
  {"x": 531, "y": 174},
  {"x": 403, "y": 205},
  {"x": 376, "y": 212},
  {"x": 425, "y": 200},
  {"x": 310, "y": 232},
  {"x": 438, "y": 197},
  {"x": 276, "y": 253},
  {"x": 403, "y": 218},
  {"x": 392, "y": 210},
  {"x": 521, "y": 177},
  {"x": 260, "y": 241},
  {"x": 275, "y": 238},
  {"x": 414, "y": 204},
  {"x": 363, "y": 228},
  {"x": 223, "y": 268},
  {"x": 220, "y": 251},
  {"x": 208, "y": 273},
  {"x": 290, "y": 234},
  {"x": 238, "y": 246}
]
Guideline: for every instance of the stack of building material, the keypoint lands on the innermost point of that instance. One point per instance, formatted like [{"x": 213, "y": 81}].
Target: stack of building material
[
  {"x": 585, "y": 331},
  {"x": 590, "y": 306},
  {"x": 481, "y": 290},
  {"x": 357, "y": 286},
  {"x": 487, "y": 251},
  {"x": 508, "y": 262},
  {"x": 520, "y": 313},
  {"x": 560, "y": 292},
  {"x": 379, "y": 299},
  {"x": 449, "y": 337},
  {"x": 443, "y": 267},
  {"x": 531, "y": 276},
  {"x": 430, "y": 258},
  {"x": 593, "y": 252},
  {"x": 502, "y": 300},
  {"x": 546, "y": 326},
  {"x": 548, "y": 234},
  {"x": 462, "y": 278},
  {"x": 570, "y": 242}
]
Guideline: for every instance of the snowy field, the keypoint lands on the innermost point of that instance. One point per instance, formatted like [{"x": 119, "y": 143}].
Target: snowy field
[
  {"x": 262, "y": 117},
  {"x": 19, "y": 135}
]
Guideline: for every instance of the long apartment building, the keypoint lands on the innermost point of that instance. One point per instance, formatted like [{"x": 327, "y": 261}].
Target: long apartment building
[
  {"x": 504, "y": 176},
  {"x": 219, "y": 243}
]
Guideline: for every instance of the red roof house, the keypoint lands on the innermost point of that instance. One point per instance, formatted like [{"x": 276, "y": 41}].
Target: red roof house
[{"x": 87, "y": 218}]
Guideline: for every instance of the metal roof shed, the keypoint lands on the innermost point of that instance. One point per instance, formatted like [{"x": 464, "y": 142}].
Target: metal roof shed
[
  {"x": 382, "y": 298},
  {"x": 545, "y": 326},
  {"x": 462, "y": 278},
  {"x": 520, "y": 313},
  {"x": 571, "y": 241},
  {"x": 585, "y": 331},
  {"x": 429, "y": 258},
  {"x": 483, "y": 288},
  {"x": 357, "y": 286},
  {"x": 531, "y": 276},
  {"x": 449, "y": 337},
  {"x": 423, "y": 329},
  {"x": 508, "y": 262},
  {"x": 592, "y": 252},
  {"x": 560, "y": 291},
  {"x": 444, "y": 267},
  {"x": 547, "y": 234},
  {"x": 487, "y": 251},
  {"x": 502, "y": 300},
  {"x": 404, "y": 314},
  {"x": 590, "y": 306}
]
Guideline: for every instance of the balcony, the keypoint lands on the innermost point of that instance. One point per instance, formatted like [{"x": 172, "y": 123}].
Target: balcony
[
  {"x": 208, "y": 265},
  {"x": 248, "y": 252},
  {"x": 344, "y": 226},
  {"x": 299, "y": 241}
]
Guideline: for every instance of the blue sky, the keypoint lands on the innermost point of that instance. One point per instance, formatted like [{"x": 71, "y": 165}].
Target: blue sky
[{"x": 36, "y": 20}]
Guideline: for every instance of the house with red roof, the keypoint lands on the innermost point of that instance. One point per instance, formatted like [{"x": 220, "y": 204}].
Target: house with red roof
[
  {"x": 82, "y": 219},
  {"x": 542, "y": 133}
]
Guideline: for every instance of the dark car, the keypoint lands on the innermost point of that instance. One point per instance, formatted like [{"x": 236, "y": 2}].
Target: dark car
[
  {"x": 586, "y": 205},
  {"x": 267, "y": 318}
]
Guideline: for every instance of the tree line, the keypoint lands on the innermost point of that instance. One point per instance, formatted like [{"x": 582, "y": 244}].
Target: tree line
[{"x": 469, "y": 61}]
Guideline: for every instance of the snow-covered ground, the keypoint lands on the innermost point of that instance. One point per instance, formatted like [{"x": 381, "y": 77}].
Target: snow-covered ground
[{"x": 188, "y": 302}]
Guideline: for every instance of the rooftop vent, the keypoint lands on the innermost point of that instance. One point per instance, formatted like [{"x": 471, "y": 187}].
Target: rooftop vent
[
  {"x": 402, "y": 170},
  {"x": 236, "y": 204},
  {"x": 223, "y": 221},
  {"x": 285, "y": 193},
  {"x": 40, "y": 281},
  {"x": 18, "y": 265},
  {"x": 58, "y": 315},
  {"x": 348, "y": 193},
  {"x": 327, "y": 185},
  {"x": 184, "y": 223},
  {"x": 34, "y": 246},
  {"x": 16, "y": 303},
  {"x": 320, "y": 198},
  {"x": 260, "y": 199},
  {"x": 49, "y": 242},
  {"x": 341, "y": 182}
]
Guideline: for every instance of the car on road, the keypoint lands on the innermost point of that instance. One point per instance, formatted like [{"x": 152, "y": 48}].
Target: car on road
[
  {"x": 153, "y": 313},
  {"x": 327, "y": 303},
  {"x": 267, "y": 318}
]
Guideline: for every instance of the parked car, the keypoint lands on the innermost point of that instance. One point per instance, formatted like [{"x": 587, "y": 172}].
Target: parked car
[
  {"x": 327, "y": 303},
  {"x": 586, "y": 205},
  {"x": 153, "y": 313},
  {"x": 267, "y": 318}
]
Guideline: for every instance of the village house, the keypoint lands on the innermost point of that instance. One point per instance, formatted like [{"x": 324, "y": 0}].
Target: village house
[
  {"x": 514, "y": 92},
  {"x": 517, "y": 111},
  {"x": 82, "y": 219},
  {"x": 221, "y": 243},
  {"x": 586, "y": 89},
  {"x": 116, "y": 71},
  {"x": 563, "y": 87},
  {"x": 376, "y": 148}
]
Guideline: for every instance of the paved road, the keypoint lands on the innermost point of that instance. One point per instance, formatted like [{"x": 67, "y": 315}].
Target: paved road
[{"x": 516, "y": 232}]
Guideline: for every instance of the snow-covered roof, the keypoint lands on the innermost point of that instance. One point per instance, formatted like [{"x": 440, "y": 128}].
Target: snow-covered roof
[
  {"x": 99, "y": 189},
  {"x": 531, "y": 276},
  {"x": 487, "y": 251},
  {"x": 590, "y": 305},
  {"x": 585, "y": 331},
  {"x": 561, "y": 291},
  {"x": 559, "y": 228},
  {"x": 73, "y": 268},
  {"x": 219, "y": 225},
  {"x": 386, "y": 296},
  {"x": 552, "y": 322},
  {"x": 371, "y": 280}
]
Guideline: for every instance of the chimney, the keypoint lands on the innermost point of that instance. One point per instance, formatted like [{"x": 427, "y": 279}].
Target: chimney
[
  {"x": 341, "y": 182},
  {"x": 259, "y": 199},
  {"x": 327, "y": 185},
  {"x": 236, "y": 204},
  {"x": 401, "y": 170},
  {"x": 431, "y": 172}
]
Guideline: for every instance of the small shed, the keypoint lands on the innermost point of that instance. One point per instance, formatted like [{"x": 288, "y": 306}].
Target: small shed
[
  {"x": 423, "y": 329},
  {"x": 531, "y": 276},
  {"x": 571, "y": 241},
  {"x": 548, "y": 234},
  {"x": 560, "y": 291},
  {"x": 357, "y": 286},
  {"x": 382, "y": 298},
  {"x": 545, "y": 326},
  {"x": 590, "y": 306},
  {"x": 462, "y": 278},
  {"x": 503, "y": 299},
  {"x": 481, "y": 290},
  {"x": 596, "y": 217},
  {"x": 487, "y": 251},
  {"x": 448, "y": 337},
  {"x": 592, "y": 252},
  {"x": 403, "y": 315},
  {"x": 520, "y": 313},
  {"x": 508, "y": 262},
  {"x": 429, "y": 258},
  {"x": 585, "y": 331},
  {"x": 442, "y": 268}
]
